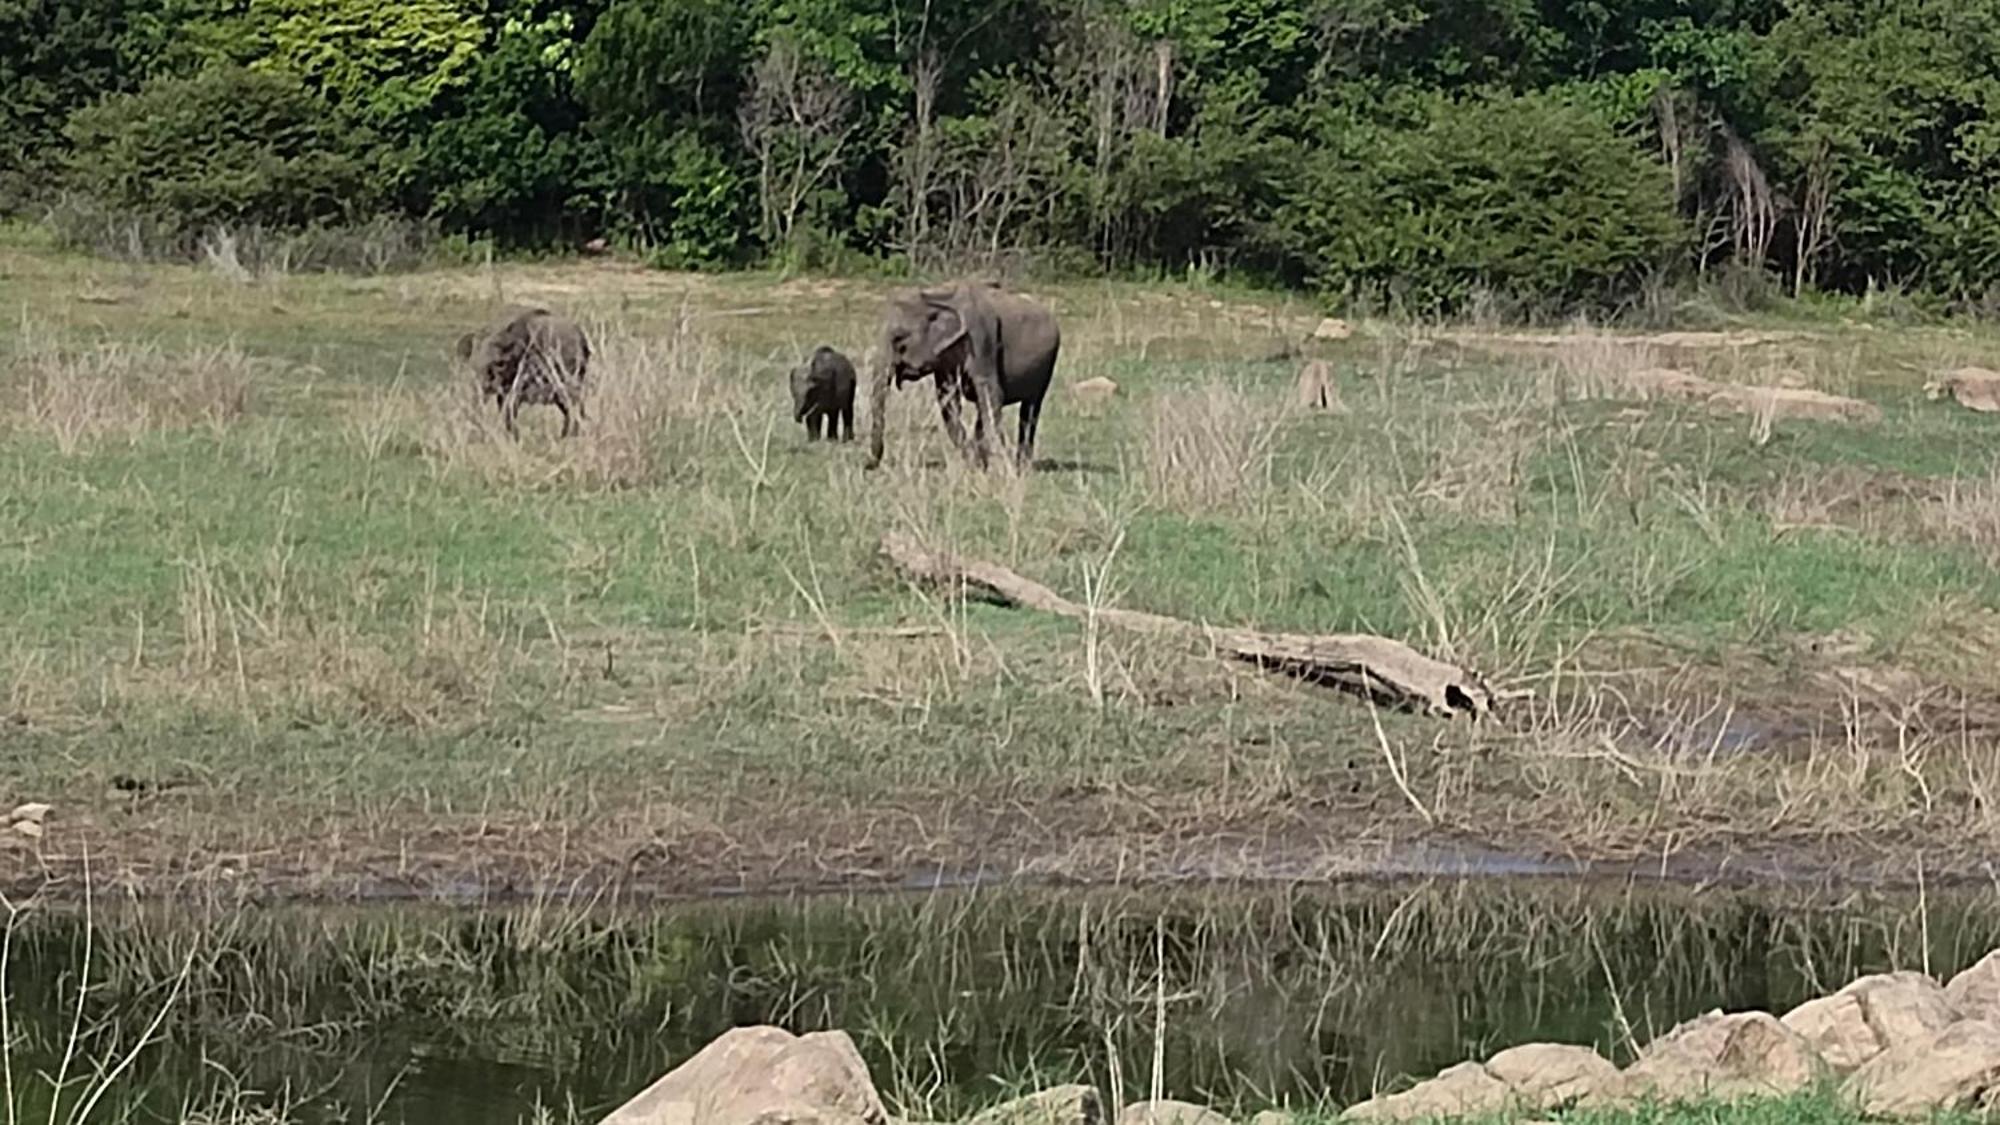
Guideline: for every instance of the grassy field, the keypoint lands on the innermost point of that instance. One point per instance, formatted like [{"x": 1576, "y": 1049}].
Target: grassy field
[{"x": 282, "y": 609}]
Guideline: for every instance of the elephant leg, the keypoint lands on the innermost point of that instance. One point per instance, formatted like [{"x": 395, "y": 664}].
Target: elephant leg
[
  {"x": 1031, "y": 419},
  {"x": 847, "y": 422},
  {"x": 569, "y": 423},
  {"x": 986, "y": 391},
  {"x": 813, "y": 417},
  {"x": 948, "y": 412},
  {"x": 510, "y": 411}
]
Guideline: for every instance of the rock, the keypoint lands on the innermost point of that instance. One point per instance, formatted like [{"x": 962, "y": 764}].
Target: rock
[
  {"x": 1872, "y": 1015},
  {"x": 1094, "y": 390},
  {"x": 1272, "y": 1117},
  {"x": 32, "y": 829},
  {"x": 1975, "y": 993},
  {"x": 34, "y": 812},
  {"x": 1332, "y": 328},
  {"x": 1975, "y": 388},
  {"x": 597, "y": 246},
  {"x": 1064, "y": 1105},
  {"x": 1316, "y": 388},
  {"x": 1957, "y": 1068},
  {"x": 1465, "y": 1090},
  {"x": 1547, "y": 1076},
  {"x": 1170, "y": 1113},
  {"x": 1745, "y": 1054},
  {"x": 763, "y": 1075}
]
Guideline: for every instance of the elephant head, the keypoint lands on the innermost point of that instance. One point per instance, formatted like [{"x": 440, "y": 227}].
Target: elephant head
[{"x": 923, "y": 334}]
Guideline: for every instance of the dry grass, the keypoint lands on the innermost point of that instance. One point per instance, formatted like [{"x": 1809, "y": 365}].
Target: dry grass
[
  {"x": 652, "y": 397},
  {"x": 115, "y": 391},
  {"x": 1968, "y": 511},
  {"x": 1212, "y": 448}
]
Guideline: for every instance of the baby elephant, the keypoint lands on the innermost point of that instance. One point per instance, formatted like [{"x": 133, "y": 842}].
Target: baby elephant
[
  {"x": 530, "y": 355},
  {"x": 823, "y": 395}
]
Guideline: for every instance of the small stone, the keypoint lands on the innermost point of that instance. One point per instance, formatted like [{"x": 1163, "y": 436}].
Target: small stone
[
  {"x": 1170, "y": 1113},
  {"x": 1063, "y": 1105},
  {"x": 1332, "y": 328},
  {"x": 1551, "y": 1075},
  {"x": 34, "y": 812},
  {"x": 1465, "y": 1090},
  {"x": 30, "y": 828},
  {"x": 1094, "y": 390}
]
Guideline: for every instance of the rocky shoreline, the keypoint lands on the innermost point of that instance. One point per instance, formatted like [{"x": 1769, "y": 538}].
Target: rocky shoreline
[{"x": 1896, "y": 1044}]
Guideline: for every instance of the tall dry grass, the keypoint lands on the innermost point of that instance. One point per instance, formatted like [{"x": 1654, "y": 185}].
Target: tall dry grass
[
  {"x": 1211, "y": 448},
  {"x": 653, "y": 397},
  {"x": 117, "y": 391}
]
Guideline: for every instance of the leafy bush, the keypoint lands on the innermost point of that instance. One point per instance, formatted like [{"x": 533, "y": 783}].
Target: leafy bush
[
  {"x": 1530, "y": 197},
  {"x": 510, "y": 155},
  {"x": 661, "y": 80},
  {"x": 56, "y": 56},
  {"x": 228, "y": 146}
]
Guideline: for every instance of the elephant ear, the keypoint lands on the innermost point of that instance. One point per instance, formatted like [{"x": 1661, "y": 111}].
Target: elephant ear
[{"x": 944, "y": 327}]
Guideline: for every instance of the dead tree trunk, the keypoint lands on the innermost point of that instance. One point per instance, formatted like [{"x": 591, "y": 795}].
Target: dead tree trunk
[{"x": 1381, "y": 669}]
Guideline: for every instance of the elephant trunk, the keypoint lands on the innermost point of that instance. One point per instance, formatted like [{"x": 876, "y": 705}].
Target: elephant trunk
[
  {"x": 878, "y": 407},
  {"x": 799, "y": 393}
]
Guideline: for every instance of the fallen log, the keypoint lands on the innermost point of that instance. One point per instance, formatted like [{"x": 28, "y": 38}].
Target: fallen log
[{"x": 1384, "y": 670}]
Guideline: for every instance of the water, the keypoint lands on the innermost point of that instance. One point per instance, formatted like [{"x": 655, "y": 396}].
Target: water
[{"x": 453, "y": 1016}]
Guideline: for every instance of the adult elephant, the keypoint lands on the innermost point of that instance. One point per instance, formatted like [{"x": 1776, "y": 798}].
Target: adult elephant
[{"x": 977, "y": 344}]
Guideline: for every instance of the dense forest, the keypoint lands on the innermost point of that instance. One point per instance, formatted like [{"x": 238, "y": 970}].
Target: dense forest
[{"x": 1422, "y": 154}]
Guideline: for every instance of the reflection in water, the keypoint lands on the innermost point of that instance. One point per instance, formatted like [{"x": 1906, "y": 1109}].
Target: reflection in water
[{"x": 957, "y": 998}]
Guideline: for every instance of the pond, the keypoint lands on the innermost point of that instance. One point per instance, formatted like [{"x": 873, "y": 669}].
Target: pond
[{"x": 1239, "y": 999}]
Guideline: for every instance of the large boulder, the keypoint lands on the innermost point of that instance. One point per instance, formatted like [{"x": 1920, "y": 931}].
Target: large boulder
[
  {"x": 1545, "y": 1076},
  {"x": 1063, "y": 1105},
  {"x": 1976, "y": 991},
  {"x": 1465, "y": 1090},
  {"x": 1871, "y": 1015},
  {"x": 1170, "y": 1113},
  {"x": 1957, "y": 1068},
  {"x": 1744, "y": 1054},
  {"x": 762, "y": 1076}
]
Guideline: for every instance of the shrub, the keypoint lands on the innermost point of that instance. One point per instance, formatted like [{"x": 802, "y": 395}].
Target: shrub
[
  {"x": 57, "y": 56},
  {"x": 661, "y": 80},
  {"x": 227, "y": 146},
  {"x": 1526, "y": 196}
]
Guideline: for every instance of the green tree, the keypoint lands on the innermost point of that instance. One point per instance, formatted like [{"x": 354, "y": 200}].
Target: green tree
[{"x": 228, "y": 145}]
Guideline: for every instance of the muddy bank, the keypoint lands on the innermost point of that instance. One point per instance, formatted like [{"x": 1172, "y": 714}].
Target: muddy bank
[{"x": 908, "y": 847}]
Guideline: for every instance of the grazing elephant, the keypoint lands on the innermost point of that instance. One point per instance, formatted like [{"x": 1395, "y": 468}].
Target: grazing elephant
[
  {"x": 976, "y": 342},
  {"x": 823, "y": 395},
  {"x": 530, "y": 355}
]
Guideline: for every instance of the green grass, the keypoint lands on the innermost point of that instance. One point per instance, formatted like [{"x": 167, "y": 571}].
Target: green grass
[{"x": 279, "y": 561}]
